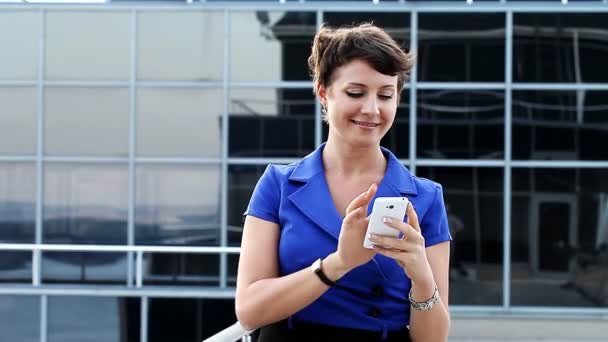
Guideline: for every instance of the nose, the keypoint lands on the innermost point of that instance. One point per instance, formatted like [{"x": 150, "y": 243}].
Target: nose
[{"x": 370, "y": 106}]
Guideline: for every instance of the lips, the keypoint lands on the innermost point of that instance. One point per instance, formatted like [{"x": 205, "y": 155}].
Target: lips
[{"x": 365, "y": 124}]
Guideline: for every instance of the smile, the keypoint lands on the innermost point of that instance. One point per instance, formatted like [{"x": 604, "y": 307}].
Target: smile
[{"x": 365, "y": 124}]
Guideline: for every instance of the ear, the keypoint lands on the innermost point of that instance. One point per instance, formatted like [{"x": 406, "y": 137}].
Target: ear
[{"x": 322, "y": 94}]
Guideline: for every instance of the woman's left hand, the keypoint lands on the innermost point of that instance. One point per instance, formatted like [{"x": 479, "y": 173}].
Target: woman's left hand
[{"x": 409, "y": 251}]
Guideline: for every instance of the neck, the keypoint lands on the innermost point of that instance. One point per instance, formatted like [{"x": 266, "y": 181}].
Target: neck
[{"x": 346, "y": 159}]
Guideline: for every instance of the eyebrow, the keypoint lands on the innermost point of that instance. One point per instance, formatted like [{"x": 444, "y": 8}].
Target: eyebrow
[{"x": 365, "y": 86}]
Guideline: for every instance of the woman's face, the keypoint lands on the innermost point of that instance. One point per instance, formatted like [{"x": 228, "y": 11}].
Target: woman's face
[{"x": 361, "y": 103}]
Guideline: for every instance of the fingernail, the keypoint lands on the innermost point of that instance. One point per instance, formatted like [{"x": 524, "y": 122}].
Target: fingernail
[{"x": 387, "y": 220}]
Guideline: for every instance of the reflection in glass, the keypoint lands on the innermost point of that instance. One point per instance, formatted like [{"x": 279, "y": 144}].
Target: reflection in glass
[
  {"x": 194, "y": 269},
  {"x": 560, "y": 237},
  {"x": 19, "y": 38},
  {"x": 397, "y": 25},
  {"x": 17, "y": 202},
  {"x": 18, "y": 120},
  {"x": 84, "y": 267},
  {"x": 233, "y": 266},
  {"x": 474, "y": 202},
  {"x": 177, "y": 205},
  {"x": 15, "y": 267},
  {"x": 20, "y": 318},
  {"x": 560, "y": 47},
  {"x": 241, "y": 182},
  {"x": 179, "y": 122},
  {"x": 93, "y": 319},
  {"x": 397, "y": 138},
  {"x": 87, "y": 121},
  {"x": 461, "y": 124},
  {"x": 277, "y": 43},
  {"x": 188, "y": 319},
  {"x": 560, "y": 125},
  {"x": 461, "y": 47},
  {"x": 102, "y": 40},
  {"x": 268, "y": 122},
  {"x": 85, "y": 203},
  {"x": 180, "y": 45}
]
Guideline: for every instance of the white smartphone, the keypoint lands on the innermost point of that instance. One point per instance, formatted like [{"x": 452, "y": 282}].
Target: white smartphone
[{"x": 385, "y": 207}]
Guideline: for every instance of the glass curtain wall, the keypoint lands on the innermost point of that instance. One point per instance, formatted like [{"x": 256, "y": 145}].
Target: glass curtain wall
[{"x": 131, "y": 140}]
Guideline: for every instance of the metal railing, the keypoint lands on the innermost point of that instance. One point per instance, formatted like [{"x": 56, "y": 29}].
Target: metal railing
[
  {"x": 138, "y": 250},
  {"x": 233, "y": 333}
]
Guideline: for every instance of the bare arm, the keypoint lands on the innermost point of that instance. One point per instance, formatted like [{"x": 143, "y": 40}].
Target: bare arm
[
  {"x": 434, "y": 324},
  {"x": 425, "y": 267},
  {"x": 262, "y": 297}
]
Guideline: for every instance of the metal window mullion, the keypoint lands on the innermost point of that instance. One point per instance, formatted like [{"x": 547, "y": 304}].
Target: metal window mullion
[
  {"x": 272, "y": 84},
  {"x": 335, "y": 6},
  {"x": 318, "y": 118},
  {"x": 37, "y": 255},
  {"x": 506, "y": 298},
  {"x": 132, "y": 140},
  {"x": 143, "y": 319},
  {"x": 224, "y": 156},
  {"x": 413, "y": 91},
  {"x": 44, "y": 314}
]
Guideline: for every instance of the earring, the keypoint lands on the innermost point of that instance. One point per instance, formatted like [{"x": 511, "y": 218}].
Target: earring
[{"x": 323, "y": 110}]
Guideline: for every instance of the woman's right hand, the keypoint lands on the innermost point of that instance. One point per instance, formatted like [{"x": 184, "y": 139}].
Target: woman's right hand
[{"x": 350, "y": 252}]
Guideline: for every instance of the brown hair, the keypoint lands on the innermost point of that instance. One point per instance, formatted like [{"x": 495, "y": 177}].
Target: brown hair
[{"x": 334, "y": 47}]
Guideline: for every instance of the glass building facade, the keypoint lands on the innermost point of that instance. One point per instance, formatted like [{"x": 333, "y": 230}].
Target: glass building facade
[{"x": 132, "y": 135}]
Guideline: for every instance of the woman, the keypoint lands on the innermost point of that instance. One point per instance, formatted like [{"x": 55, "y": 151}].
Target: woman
[{"x": 303, "y": 273}]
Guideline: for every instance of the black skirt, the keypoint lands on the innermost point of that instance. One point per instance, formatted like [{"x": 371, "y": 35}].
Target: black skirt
[{"x": 308, "y": 332}]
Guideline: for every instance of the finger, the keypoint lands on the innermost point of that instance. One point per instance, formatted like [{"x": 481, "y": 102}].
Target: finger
[
  {"x": 409, "y": 232},
  {"x": 362, "y": 200},
  {"x": 352, "y": 216},
  {"x": 391, "y": 253},
  {"x": 412, "y": 217},
  {"x": 390, "y": 242}
]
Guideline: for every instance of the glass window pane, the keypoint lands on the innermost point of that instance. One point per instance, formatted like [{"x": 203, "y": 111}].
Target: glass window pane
[
  {"x": 560, "y": 247},
  {"x": 93, "y": 319},
  {"x": 15, "y": 267},
  {"x": 190, "y": 117},
  {"x": 271, "y": 46},
  {"x": 20, "y": 41},
  {"x": 177, "y": 205},
  {"x": 193, "y": 269},
  {"x": 87, "y": 121},
  {"x": 233, "y": 266},
  {"x": 17, "y": 202},
  {"x": 241, "y": 182},
  {"x": 20, "y": 318},
  {"x": 84, "y": 267},
  {"x": 560, "y": 125},
  {"x": 474, "y": 202},
  {"x": 397, "y": 138},
  {"x": 560, "y": 47},
  {"x": 396, "y": 24},
  {"x": 269, "y": 122},
  {"x": 18, "y": 120},
  {"x": 461, "y": 47},
  {"x": 85, "y": 203},
  {"x": 180, "y": 45},
  {"x": 88, "y": 45},
  {"x": 462, "y": 124},
  {"x": 188, "y": 319}
]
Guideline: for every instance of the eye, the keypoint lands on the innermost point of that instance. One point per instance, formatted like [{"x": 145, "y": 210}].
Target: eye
[
  {"x": 355, "y": 95},
  {"x": 386, "y": 97}
]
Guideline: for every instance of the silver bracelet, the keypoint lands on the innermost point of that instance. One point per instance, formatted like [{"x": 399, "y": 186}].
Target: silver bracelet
[{"x": 427, "y": 304}]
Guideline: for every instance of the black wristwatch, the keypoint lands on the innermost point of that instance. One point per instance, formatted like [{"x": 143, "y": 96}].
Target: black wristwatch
[{"x": 318, "y": 268}]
